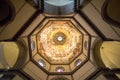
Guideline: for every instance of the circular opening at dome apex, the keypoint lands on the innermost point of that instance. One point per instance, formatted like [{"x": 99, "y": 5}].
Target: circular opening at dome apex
[{"x": 59, "y": 38}]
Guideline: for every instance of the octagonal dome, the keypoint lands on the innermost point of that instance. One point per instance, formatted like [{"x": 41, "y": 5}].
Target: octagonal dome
[
  {"x": 59, "y": 42},
  {"x": 59, "y": 45}
]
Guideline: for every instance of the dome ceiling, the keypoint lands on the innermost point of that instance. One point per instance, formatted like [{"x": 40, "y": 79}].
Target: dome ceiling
[
  {"x": 59, "y": 42},
  {"x": 59, "y": 45}
]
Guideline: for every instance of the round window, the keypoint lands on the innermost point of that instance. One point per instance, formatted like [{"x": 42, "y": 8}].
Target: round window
[
  {"x": 78, "y": 62},
  {"x": 41, "y": 63},
  {"x": 60, "y": 69},
  {"x": 32, "y": 45}
]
